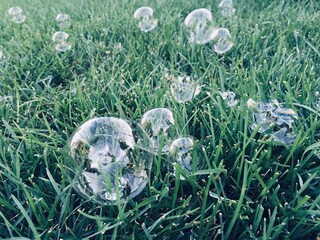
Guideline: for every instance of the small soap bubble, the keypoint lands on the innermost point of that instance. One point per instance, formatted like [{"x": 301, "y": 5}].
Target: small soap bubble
[
  {"x": 184, "y": 89},
  {"x": 230, "y": 98},
  {"x": 60, "y": 38},
  {"x": 146, "y": 21},
  {"x": 198, "y": 24},
  {"x": 108, "y": 160},
  {"x": 17, "y": 15},
  {"x": 226, "y": 7},
  {"x": 222, "y": 39},
  {"x": 63, "y": 20},
  {"x": 157, "y": 123}
]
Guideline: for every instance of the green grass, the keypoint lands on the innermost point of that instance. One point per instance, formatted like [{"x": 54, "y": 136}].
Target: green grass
[{"x": 250, "y": 188}]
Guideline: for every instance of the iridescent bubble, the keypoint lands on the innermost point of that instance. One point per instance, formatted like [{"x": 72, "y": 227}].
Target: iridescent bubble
[
  {"x": 109, "y": 163},
  {"x": 184, "y": 89},
  {"x": 63, "y": 20},
  {"x": 17, "y": 15},
  {"x": 157, "y": 123},
  {"x": 60, "y": 38},
  {"x": 222, "y": 39},
  {"x": 226, "y": 7},
  {"x": 198, "y": 24},
  {"x": 230, "y": 98},
  {"x": 146, "y": 21}
]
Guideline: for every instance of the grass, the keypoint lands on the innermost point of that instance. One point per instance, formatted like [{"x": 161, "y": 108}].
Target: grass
[{"x": 250, "y": 188}]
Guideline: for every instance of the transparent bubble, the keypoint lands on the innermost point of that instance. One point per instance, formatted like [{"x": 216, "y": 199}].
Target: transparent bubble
[
  {"x": 226, "y": 7},
  {"x": 184, "y": 89},
  {"x": 230, "y": 98},
  {"x": 63, "y": 20},
  {"x": 222, "y": 38},
  {"x": 157, "y": 123},
  {"x": 16, "y": 15},
  {"x": 146, "y": 21},
  {"x": 109, "y": 161},
  {"x": 273, "y": 120},
  {"x": 198, "y": 24},
  {"x": 60, "y": 38}
]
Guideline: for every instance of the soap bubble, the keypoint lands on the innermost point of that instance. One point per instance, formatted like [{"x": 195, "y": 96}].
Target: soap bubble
[
  {"x": 16, "y": 15},
  {"x": 230, "y": 98},
  {"x": 157, "y": 123},
  {"x": 61, "y": 39},
  {"x": 146, "y": 21},
  {"x": 226, "y": 7},
  {"x": 222, "y": 38},
  {"x": 63, "y": 20},
  {"x": 109, "y": 161},
  {"x": 184, "y": 89},
  {"x": 198, "y": 24},
  {"x": 272, "y": 119}
]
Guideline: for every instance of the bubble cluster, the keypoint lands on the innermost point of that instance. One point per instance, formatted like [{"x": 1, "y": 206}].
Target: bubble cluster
[
  {"x": 16, "y": 14},
  {"x": 146, "y": 21},
  {"x": 230, "y": 98},
  {"x": 60, "y": 38},
  {"x": 272, "y": 119},
  {"x": 198, "y": 24},
  {"x": 222, "y": 39},
  {"x": 108, "y": 160},
  {"x": 226, "y": 7},
  {"x": 183, "y": 88},
  {"x": 63, "y": 20},
  {"x": 157, "y": 123}
]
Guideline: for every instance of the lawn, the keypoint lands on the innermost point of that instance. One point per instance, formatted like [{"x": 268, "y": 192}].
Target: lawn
[{"x": 249, "y": 187}]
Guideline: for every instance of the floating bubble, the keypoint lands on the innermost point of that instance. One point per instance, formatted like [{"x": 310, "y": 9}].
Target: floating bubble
[
  {"x": 61, "y": 39},
  {"x": 198, "y": 24},
  {"x": 222, "y": 38},
  {"x": 230, "y": 98},
  {"x": 146, "y": 21},
  {"x": 16, "y": 15},
  {"x": 109, "y": 163},
  {"x": 63, "y": 20},
  {"x": 157, "y": 123},
  {"x": 226, "y": 7},
  {"x": 184, "y": 89}
]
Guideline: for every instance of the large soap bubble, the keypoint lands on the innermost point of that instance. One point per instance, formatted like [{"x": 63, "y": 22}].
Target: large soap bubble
[
  {"x": 146, "y": 21},
  {"x": 198, "y": 24},
  {"x": 109, "y": 160},
  {"x": 222, "y": 39},
  {"x": 272, "y": 119},
  {"x": 226, "y": 7},
  {"x": 63, "y": 20},
  {"x": 60, "y": 38},
  {"x": 17, "y": 15},
  {"x": 184, "y": 88},
  {"x": 157, "y": 123}
]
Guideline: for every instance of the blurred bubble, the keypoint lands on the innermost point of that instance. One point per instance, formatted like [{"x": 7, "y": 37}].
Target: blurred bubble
[
  {"x": 226, "y": 7},
  {"x": 198, "y": 24},
  {"x": 272, "y": 119},
  {"x": 157, "y": 123},
  {"x": 146, "y": 21},
  {"x": 109, "y": 159},
  {"x": 183, "y": 88},
  {"x": 222, "y": 39},
  {"x": 17, "y": 15},
  {"x": 63, "y": 20},
  {"x": 230, "y": 98},
  {"x": 60, "y": 38}
]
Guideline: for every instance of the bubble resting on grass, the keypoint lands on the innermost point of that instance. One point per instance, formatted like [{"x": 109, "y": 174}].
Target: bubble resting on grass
[
  {"x": 63, "y": 20},
  {"x": 229, "y": 97},
  {"x": 273, "y": 120},
  {"x": 16, "y": 15},
  {"x": 110, "y": 160},
  {"x": 184, "y": 89},
  {"x": 198, "y": 25},
  {"x": 157, "y": 123},
  {"x": 146, "y": 21},
  {"x": 61, "y": 39},
  {"x": 226, "y": 7},
  {"x": 222, "y": 38}
]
